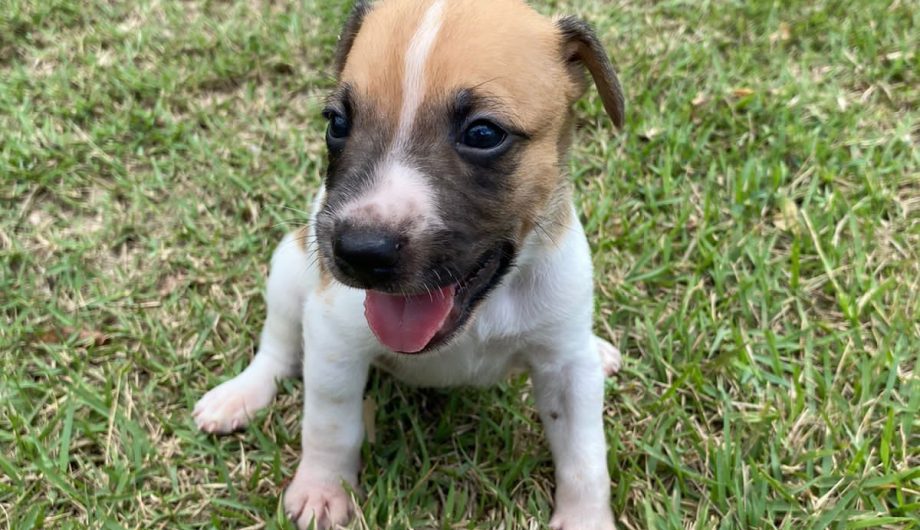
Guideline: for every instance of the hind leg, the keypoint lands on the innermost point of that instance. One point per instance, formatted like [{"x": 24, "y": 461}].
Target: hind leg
[
  {"x": 230, "y": 405},
  {"x": 611, "y": 359}
]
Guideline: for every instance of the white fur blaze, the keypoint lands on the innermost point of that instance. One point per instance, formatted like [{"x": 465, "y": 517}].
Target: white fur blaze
[{"x": 414, "y": 71}]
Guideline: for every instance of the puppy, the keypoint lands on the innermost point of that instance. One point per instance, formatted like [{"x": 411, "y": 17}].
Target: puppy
[{"x": 444, "y": 247}]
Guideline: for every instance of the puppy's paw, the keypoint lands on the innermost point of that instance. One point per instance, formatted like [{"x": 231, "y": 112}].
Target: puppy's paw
[
  {"x": 230, "y": 405},
  {"x": 611, "y": 359},
  {"x": 576, "y": 520},
  {"x": 306, "y": 501}
]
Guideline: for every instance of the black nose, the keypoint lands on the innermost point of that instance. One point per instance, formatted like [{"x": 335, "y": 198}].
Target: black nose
[{"x": 368, "y": 255}]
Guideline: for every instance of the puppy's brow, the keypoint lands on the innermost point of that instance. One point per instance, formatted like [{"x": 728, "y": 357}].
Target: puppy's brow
[
  {"x": 341, "y": 98},
  {"x": 468, "y": 101}
]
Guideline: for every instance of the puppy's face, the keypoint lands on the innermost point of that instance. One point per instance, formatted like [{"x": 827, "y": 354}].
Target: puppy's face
[{"x": 445, "y": 139}]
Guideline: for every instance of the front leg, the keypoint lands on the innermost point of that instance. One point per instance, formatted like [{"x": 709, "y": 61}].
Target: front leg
[
  {"x": 332, "y": 434},
  {"x": 232, "y": 404},
  {"x": 569, "y": 393}
]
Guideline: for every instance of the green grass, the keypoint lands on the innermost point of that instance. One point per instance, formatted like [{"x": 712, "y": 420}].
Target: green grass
[{"x": 757, "y": 247}]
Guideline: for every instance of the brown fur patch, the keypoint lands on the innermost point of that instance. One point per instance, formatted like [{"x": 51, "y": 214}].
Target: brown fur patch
[
  {"x": 325, "y": 277},
  {"x": 302, "y": 236},
  {"x": 519, "y": 63},
  {"x": 375, "y": 64},
  {"x": 556, "y": 217}
]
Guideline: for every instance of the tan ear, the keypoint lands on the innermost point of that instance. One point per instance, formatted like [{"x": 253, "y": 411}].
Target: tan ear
[
  {"x": 582, "y": 49},
  {"x": 349, "y": 32}
]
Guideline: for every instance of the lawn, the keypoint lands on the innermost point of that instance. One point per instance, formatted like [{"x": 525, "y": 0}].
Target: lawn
[{"x": 756, "y": 235}]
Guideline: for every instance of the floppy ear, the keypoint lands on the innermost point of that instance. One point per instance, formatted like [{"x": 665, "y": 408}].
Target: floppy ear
[
  {"x": 582, "y": 49},
  {"x": 349, "y": 32}
]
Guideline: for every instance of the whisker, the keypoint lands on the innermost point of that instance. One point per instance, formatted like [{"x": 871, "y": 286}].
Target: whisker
[
  {"x": 545, "y": 232},
  {"x": 296, "y": 210},
  {"x": 430, "y": 296},
  {"x": 459, "y": 283},
  {"x": 314, "y": 261},
  {"x": 296, "y": 220}
]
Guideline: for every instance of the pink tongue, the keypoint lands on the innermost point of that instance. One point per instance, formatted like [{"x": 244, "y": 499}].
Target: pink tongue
[{"x": 407, "y": 324}]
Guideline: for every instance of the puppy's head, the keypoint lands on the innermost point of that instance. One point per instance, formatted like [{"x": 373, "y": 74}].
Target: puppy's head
[{"x": 446, "y": 136}]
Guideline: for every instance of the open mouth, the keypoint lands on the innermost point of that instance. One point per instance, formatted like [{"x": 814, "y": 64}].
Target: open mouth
[{"x": 419, "y": 322}]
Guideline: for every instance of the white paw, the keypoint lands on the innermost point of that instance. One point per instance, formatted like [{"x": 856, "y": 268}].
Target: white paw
[
  {"x": 611, "y": 359},
  {"x": 230, "y": 405},
  {"x": 582, "y": 520},
  {"x": 306, "y": 501}
]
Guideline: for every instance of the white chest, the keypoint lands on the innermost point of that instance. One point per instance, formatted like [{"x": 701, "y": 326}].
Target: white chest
[{"x": 465, "y": 362}]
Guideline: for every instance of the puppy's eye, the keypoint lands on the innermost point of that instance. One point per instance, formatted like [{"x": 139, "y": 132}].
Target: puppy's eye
[
  {"x": 483, "y": 134},
  {"x": 339, "y": 126}
]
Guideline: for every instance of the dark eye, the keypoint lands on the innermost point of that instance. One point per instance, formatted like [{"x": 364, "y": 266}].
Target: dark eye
[
  {"x": 339, "y": 126},
  {"x": 482, "y": 134}
]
